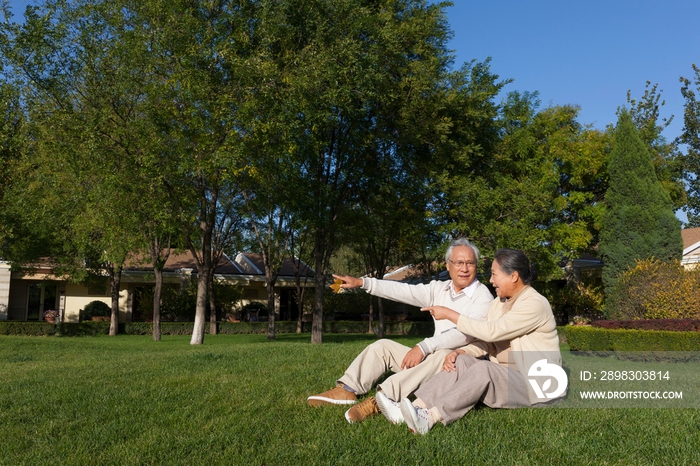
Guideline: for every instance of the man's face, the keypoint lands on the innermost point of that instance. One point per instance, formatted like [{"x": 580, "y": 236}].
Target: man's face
[{"x": 462, "y": 267}]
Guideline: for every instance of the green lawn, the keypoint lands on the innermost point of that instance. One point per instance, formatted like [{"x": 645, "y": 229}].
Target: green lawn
[{"x": 241, "y": 400}]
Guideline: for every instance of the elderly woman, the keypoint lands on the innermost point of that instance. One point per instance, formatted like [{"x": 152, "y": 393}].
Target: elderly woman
[{"x": 514, "y": 362}]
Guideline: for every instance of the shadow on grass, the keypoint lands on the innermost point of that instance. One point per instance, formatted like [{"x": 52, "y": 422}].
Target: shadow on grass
[
  {"x": 336, "y": 338},
  {"x": 327, "y": 337}
]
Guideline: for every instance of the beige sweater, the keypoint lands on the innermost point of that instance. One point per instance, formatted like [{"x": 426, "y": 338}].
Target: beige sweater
[{"x": 522, "y": 326}]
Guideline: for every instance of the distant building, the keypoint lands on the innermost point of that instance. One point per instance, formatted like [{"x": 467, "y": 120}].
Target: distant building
[
  {"x": 691, "y": 247},
  {"x": 26, "y": 296}
]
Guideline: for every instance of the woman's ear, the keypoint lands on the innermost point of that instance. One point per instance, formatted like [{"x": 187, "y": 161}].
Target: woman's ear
[{"x": 514, "y": 277}]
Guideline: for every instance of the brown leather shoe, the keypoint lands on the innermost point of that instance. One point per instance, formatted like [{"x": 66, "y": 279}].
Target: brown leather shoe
[
  {"x": 362, "y": 411},
  {"x": 335, "y": 396}
]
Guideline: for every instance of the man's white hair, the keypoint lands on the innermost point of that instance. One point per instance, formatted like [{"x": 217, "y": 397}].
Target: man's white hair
[{"x": 461, "y": 242}]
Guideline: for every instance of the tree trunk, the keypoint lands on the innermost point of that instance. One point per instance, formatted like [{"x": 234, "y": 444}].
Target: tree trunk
[
  {"x": 200, "y": 312},
  {"x": 115, "y": 278},
  {"x": 213, "y": 325},
  {"x": 370, "y": 328},
  {"x": 380, "y": 329},
  {"x": 300, "y": 317},
  {"x": 270, "y": 310},
  {"x": 320, "y": 279},
  {"x": 157, "y": 292}
]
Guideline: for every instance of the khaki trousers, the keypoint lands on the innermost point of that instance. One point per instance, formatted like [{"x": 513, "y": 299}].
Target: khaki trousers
[
  {"x": 455, "y": 393},
  {"x": 386, "y": 355}
]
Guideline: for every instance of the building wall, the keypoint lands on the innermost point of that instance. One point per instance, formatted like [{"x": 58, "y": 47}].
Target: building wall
[
  {"x": 5, "y": 276},
  {"x": 77, "y": 298}
]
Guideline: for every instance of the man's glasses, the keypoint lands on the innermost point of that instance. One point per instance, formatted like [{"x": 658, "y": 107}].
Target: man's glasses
[{"x": 460, "y": 264}]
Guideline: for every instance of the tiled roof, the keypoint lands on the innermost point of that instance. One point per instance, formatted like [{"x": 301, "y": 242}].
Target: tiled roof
[
  {"x": 178, "y": 260},
  {"x": 690, "y": 236},
  {"x": 245, "y": 263},
  {"x": 254, "y": 264}
]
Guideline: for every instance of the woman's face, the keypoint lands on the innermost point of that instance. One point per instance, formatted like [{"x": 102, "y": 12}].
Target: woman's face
[{"x": 505, "y": 284}]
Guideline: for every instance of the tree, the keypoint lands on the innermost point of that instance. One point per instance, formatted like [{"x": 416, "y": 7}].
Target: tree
[
  {"x": 347, "y": 64},
  {"x": 83, "y": 79},
  {"x": 639, "y": 222},
  {"x": 691, "y": 138},
  {"x": 668, "y": 163},
  {"x": 537, "y": 185},
  {"x": 203, "y": 58},
  {"x": 12, "y": 121}
]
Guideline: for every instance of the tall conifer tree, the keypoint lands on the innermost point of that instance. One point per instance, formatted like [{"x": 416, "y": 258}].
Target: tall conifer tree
[{"x": 639, "y": 222}]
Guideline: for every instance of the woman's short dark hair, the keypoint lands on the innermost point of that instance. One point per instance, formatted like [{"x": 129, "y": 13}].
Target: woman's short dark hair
[{"x": 514, "y": 260}]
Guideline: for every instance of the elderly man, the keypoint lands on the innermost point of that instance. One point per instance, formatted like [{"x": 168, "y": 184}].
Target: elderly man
[{"x": 411, "y": 366}]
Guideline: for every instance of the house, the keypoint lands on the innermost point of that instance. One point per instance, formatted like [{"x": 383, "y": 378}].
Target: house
[
  {"x": 691, "y": 247},
  {"x": 25, "y": 296}
]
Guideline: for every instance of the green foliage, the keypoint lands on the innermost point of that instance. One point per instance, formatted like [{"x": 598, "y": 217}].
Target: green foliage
[
  {"x": 653, "y": 289},
  {"x": 92, "y": 329},
  {"x": 538, "y": 186},
  {"x": 27, "y": 328},
  {"x": 570, "y": 300},
  {"x": 582, "y": 338},
  {"x": 227, "y": 296},
  {"x": 95, "y": 309},
  {"x": 691, "y": 138},
  {"x": 668, "y": 162},
  {"x": 349, "y": 305},
  {"x": 179, "y": 303},
  {"x": 638, "y": 222}
]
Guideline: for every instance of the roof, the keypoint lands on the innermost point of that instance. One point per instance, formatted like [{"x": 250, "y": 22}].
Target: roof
[
  {"x": 244, "y": 264},
  {"x": 253, "y": 264},
  {"x": 181, "y": 260},
  {"x": 691, "y": 237},
  {"x": 411, "y": 273}
]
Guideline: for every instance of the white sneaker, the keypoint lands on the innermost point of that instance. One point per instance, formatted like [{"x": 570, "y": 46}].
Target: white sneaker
[
  {"x": 416, "y": 418},
  {"x": 389, "y": 408}
]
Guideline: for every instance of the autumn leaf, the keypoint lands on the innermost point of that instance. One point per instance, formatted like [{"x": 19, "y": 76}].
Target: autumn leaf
[{"x": 336, "y": 285}]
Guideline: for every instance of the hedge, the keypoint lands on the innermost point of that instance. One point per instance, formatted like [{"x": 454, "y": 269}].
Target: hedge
[
  {"x": 185, "y": 328},
  {"x": 675, "y": 325},
  {"x": 583, "y": 338}
]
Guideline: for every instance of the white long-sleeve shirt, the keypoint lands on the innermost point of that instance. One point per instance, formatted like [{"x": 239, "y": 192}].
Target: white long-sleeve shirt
[{"x": 473, "y": 302}]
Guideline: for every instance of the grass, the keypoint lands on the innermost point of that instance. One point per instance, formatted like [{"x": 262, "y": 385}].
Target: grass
[{"x": 241, "y": 400}]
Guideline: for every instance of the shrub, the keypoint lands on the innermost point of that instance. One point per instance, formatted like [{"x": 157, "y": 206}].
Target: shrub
[
  {"x": 27, "y": 328},
  {"x": 601, "y": 339},
  {"x": 676, "y": 325},
  {"x": 653, "y": 289},
  {"x": 252, "y": 311},
  {"x": 96, "y": 308},
  {"x": 179, "y": 303},
  {"x": 571, "y": 299}
]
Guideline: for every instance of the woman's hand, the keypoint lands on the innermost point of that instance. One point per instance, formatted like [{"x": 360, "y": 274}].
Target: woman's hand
[
  {"x": 449, "y": 364},
  {"x": 442, "y": 312}
]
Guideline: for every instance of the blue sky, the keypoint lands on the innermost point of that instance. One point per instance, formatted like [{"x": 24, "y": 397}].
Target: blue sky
[{"x": 587, "y": 53}]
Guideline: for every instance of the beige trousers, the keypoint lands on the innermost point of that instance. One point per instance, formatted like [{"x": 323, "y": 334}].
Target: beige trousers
[{"x": 386, "y": 355}]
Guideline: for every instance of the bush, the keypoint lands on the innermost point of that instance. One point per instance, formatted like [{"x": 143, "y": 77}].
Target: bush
[
  {"x": 675, "y": 325},
  {"x": 655, "y": 290},
  {"x": 95, "y": 309},
  {"x": 74, "y": 329},
  {"x": 179, "y": 303},
  {"x": 27, "y": 328},
  {"x": 572, "y": 299},
  {"x": 600, "y": 339},
  {"x": 253, "y": 312}
]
